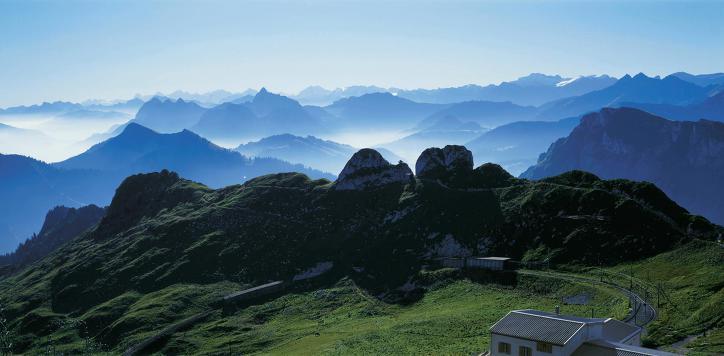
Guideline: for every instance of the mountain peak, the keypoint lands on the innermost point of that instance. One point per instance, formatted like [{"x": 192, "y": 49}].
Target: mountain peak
[
  {"x": 641, "y": 75},
  {"x": 135, "y": 128},
  {"x": 368, "y": 169}
]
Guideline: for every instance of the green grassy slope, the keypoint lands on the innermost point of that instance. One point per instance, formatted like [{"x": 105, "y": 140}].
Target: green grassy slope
[
  {"x": 452, "y": 318},
  {"x": 692, "y": 278},
  {"x": 166, "y": 238}
]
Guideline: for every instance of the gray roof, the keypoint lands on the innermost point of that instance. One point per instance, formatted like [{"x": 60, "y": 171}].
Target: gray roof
[
  {"x": 530, "y": 325},
  {"x": 607, "y": 348},
  {"x": 615, "y": 330}
]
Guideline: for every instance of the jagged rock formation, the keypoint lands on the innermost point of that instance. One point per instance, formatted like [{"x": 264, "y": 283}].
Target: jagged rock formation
[
  {"x": 435, "y": 162},
  {"x": 451, "y": 164},
  {"x": 368, "y": 169}
]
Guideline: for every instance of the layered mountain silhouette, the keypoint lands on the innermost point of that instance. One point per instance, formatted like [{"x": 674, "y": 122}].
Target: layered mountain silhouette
[
  {"x": 45, "y": 108},
  {"x": 638, "y": 89},
  {"x": 534, "y": 89},
  {"x": 265, "y": 114},
  {"x": 317, "y": 95},
  {"x": 712, "y": 108},
  {"x": 76, "y": 110},
  {"x": 485, "y": 113},
  {"x": 60, "y": 226},
  {"x": 325, "y": 155},
  {"x": 516, "y": 146},
  {"x": 381, "y": 110},
  {"x": 166, "y": 116},
  {"x": 703, "y": 80},
  {"x": 684, "y": 158},
  {"x": 31, "y": 187},
  {"x": 139, "y": 149}
]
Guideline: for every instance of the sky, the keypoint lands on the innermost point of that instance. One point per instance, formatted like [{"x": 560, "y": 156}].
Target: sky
[{"x": 78, "y": 50}]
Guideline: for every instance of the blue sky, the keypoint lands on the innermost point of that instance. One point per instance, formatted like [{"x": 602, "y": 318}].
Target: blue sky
[{"x": 76, "y": 50}]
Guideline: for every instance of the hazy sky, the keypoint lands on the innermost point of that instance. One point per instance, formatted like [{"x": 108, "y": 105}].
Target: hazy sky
[{"x": 53, "y": 50}]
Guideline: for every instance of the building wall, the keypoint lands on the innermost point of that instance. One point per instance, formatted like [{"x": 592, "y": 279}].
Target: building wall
[
  {"x": 516, "y": 342},
  {"x": 453, "y": 262},
  {"x": 496, "y": 265},
  {"x": 576, "y": 341},
  {"x": 634, "y": 341}
]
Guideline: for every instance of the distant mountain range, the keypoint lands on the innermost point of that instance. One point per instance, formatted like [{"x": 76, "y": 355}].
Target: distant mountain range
[
  {"x": 381, "y": 110},
  {"x": 91, "y": 177},
  {"x": 74, "y": 109},
  {"x": 265, "y": 114},
  {"x": 712, "y": 108},
  {"x": 684, "y": 158},
  {"x": 534, "y": 89},
  {"x": 487, "y": 114},
  {"x": 328, "y": 156},
  {"x": 638, "y": 89},
  {"x": 139, "y": 149},
  {"x": 703, "y": 80},
  {"x": 516, "y": 146},
  {"x": 316, "y": 95}
]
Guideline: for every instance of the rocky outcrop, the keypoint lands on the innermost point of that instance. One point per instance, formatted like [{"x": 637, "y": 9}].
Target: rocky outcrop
[
  {"x": 368, "y": 169},
  {"x": 451, "y": 160},
  {"x": 491, "y": 175}
]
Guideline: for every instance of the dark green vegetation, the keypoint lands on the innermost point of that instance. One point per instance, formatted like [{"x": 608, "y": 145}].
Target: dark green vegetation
[{"x": 168, "y": 248}]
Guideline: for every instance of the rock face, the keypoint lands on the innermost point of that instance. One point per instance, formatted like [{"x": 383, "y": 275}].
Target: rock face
[
  {"x": 685, "y": 159},
  {"x": 436, "y": 163},
  {"x": 368, "y": 169}
]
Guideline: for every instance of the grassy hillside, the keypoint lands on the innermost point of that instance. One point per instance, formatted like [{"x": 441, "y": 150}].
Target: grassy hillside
[
  {"x": 342, "y": 318},
  {"x": 168, "y": 247},
  {"x": 692, "y": 279}
]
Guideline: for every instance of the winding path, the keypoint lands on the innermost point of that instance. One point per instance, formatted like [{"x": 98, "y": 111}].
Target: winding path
[{"x": 642, "y": 314}]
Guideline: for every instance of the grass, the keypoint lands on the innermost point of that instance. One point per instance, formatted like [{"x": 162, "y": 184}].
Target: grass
[
  {"x": 692, "y": 278},
  {"x": 450, "y": 319}
]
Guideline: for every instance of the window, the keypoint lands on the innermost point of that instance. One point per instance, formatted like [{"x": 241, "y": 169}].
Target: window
[
  {"x": 525, "y": 351},
  {"x": 544, "y": 347},
  {"x": 504, "y": 348}
]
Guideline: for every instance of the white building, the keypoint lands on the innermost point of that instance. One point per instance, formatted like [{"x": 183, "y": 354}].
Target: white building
[{"x": 532, "y": 332}]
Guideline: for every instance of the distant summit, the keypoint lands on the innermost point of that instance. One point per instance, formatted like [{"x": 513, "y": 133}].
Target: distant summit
[
  {"x": 265, "y": 114},
  {"x": 167, "y": 116}
]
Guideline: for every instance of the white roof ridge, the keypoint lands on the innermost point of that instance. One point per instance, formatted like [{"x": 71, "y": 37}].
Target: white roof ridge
[{"x": 524, "y": 311}]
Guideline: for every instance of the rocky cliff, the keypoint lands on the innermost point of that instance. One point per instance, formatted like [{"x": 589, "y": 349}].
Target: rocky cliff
[{"x": 684, "y": 159}]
